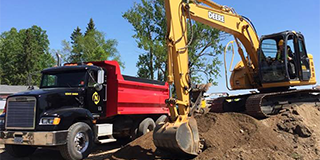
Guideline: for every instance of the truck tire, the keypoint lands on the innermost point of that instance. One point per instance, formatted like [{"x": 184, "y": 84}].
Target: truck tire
[
  {"x": 146, "y": 126},
  {"x": 134, "y": 133},
  {"x": 79, "y": 142},
  {"x": 162, "y": 118},
  {"x": 19, "y": 150}
]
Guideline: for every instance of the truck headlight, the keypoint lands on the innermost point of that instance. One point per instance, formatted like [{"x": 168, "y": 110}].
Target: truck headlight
[
  {"x": 2, "y": 119},
  {"x": 49, "y": 121}
]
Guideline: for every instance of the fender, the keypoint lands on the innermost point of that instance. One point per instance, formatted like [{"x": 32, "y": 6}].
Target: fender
[{"x": 68, "y": 117}]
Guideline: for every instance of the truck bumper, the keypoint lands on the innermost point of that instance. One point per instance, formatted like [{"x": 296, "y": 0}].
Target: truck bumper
[{"x": 50, "y": 138}]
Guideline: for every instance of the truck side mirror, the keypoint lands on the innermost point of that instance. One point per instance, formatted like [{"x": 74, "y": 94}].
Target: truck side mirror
[
  {"x": 100, "y": 80},
  {"x": 100, "y": 76}
]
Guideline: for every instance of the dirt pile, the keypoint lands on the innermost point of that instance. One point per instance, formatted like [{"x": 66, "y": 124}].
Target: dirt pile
[
  {"x": 293, "y": 134},
  {"x": 238, "y": 136},
  {"x": 299, "y": 126}
]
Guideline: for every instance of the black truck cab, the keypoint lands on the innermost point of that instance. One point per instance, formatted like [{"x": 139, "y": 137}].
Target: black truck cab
[{"x": 44, "y": 117}]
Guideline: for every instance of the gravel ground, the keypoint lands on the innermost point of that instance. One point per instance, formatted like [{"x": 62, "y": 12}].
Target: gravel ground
[{"x": 99, "y": 152}]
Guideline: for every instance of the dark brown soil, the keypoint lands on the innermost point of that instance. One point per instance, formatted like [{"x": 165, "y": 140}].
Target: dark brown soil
[
  {"x": 293, "y": 134},
  {"x": 238, "y": 136}
]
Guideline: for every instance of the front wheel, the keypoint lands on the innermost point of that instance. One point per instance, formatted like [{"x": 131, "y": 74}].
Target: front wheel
[
  {"x": 79, "y": 142},
  {"x": 19, "y": 150}
]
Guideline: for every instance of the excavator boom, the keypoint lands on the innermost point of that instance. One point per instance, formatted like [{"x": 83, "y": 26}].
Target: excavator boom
[{"x": 181, "y": 134}]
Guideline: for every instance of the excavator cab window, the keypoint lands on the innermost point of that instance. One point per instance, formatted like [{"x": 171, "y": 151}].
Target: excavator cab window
[
  {"x": 297, "y": 60},
  {"x": 303, "y": 60},
  {"x": 291, "y": 57},
  {"x": 271, "y": 64}
]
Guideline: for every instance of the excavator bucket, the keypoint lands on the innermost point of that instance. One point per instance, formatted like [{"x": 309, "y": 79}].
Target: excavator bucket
[{"x": 180, "y": 137}]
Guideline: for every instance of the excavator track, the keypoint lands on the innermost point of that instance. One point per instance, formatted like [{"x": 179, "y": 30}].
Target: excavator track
[
  {"x": 253, "y": 106},
  {"x": 262, "y": 105}
]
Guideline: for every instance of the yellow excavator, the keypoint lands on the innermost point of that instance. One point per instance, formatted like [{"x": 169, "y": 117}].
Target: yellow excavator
[{"x": 272, "y": 64}]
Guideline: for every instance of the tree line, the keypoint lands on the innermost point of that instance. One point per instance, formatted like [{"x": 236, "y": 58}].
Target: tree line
[{"x": 25, "y": 52}]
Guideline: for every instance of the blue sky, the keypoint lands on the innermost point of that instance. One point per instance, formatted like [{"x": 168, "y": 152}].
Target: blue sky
[{"x": 60, "y": 17}]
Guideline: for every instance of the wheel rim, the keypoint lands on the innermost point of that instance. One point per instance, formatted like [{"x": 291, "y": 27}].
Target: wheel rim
[
  {"x": 81, "y": 142},
  {"x": 150, "y": 128}
]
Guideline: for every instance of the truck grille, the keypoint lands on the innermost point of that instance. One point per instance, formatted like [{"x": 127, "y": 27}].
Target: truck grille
[{"x": 20, "y": 113}]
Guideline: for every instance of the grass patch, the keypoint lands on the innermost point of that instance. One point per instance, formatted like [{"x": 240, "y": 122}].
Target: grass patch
[
  {"x": 296, "y": 156},
  {"x": 1, "y": 111}
]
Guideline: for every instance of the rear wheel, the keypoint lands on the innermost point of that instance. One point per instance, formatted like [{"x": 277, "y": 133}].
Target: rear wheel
[
  {"x": 146, "y": 126},
  {"x": 162, "y": 118},
  {"x": 19, "y": 150},
  {"x": 79, "y": 142}
]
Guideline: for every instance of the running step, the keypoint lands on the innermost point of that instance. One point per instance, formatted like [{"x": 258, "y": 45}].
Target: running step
[
  {"x": 283, "y": 102},
  {"x": 102, "y": 141}
]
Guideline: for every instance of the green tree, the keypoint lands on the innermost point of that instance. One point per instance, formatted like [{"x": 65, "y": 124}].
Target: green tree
[
  {"x": 24, "y": 53},
  {"x": 75, "y": 34},
  {"x": 149, "y": 23},
  {"x": 149, "y": 27},
  {"x": 90, "y": 47},
  {"x": 76, "y": 38},
  {"x": 90, "y": 27}
]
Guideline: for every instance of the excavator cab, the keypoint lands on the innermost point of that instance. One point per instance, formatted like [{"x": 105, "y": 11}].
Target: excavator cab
[{"x": 283, "y": 58}]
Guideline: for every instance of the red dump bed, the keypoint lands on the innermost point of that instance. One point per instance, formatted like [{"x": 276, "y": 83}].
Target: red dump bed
[{"x": 131, "y": 95}]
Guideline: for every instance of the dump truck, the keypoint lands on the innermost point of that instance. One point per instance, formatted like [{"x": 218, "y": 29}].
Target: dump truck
[{"x": 78, "y": 105}]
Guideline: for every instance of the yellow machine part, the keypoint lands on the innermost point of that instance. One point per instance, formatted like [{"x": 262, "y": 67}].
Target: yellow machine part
[
  {"x": 311, "y": 81},
  {"x": 240, "y": 80},
  {"x": 203, "y": 103},
  {"x": 180, "y": 137}
]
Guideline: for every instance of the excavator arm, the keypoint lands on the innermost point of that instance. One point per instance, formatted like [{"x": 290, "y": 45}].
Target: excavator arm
[
  {"x": 216, "y": 16},
  {"x": 181, "y": 134}
]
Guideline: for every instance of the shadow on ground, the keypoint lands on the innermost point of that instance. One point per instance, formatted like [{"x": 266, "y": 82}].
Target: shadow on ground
[{"x": 99, "y": 152}]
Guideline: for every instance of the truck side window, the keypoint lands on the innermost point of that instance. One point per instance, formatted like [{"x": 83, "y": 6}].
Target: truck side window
[
  {"x": 50, "y": 80},
  {"x": 92, "y": 78}
]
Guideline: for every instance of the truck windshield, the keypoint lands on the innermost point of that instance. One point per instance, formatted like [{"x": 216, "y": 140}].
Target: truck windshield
[{"x": 65, "y": 79}]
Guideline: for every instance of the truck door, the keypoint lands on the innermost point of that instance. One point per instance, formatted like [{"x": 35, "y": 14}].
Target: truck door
[
  {"x": 303, "y": 60},
  {"x": 95, "y": 97}
]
